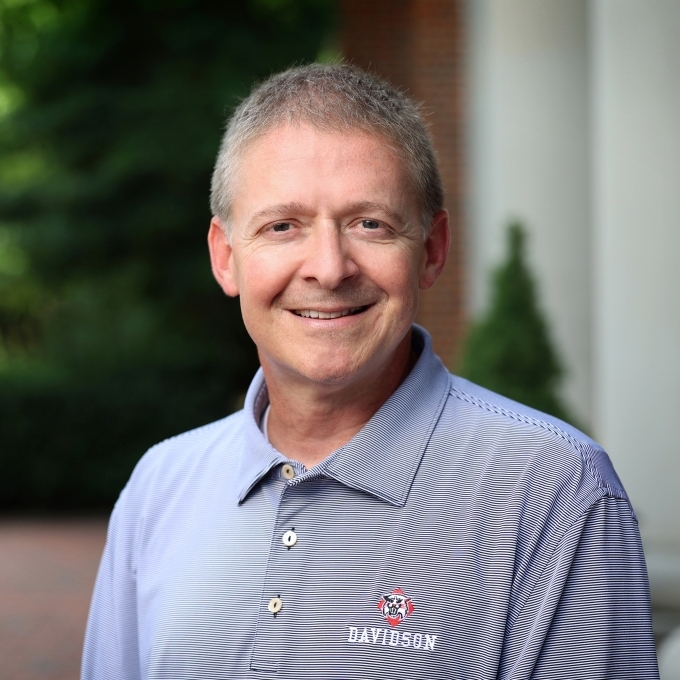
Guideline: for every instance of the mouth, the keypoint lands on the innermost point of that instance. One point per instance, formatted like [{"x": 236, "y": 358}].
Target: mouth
[{"x": 318, "y": 314}]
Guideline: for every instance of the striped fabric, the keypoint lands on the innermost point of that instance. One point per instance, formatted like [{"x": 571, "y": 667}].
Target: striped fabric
[{"x": 458, "y": 535}]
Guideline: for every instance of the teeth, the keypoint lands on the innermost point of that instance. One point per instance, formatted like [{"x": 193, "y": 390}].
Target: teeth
[{"x": 315, "y": 314}]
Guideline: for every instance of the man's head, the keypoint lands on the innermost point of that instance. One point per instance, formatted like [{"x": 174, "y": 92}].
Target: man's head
[
  {"x": 330, "y": 98},
  {"x": 322, "y": 229}
]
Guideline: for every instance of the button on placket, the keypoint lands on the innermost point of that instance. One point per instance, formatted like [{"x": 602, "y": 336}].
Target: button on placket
[
  {"x": 275, "y": 605},
  {"x": 289, "y": 539},
  {"x": 279, "y": 600}
]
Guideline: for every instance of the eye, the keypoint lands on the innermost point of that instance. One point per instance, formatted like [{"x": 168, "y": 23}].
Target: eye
[
  {"x": 281, "y": 227},
  {"x": 370, "y": 224}
]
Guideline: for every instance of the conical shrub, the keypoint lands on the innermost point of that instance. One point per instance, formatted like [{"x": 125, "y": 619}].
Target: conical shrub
[{"x": 509, "y": 350}]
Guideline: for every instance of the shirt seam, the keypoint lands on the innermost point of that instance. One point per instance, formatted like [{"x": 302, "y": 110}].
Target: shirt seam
[
  {"x": 202, "y": 428},
  {"x": 559, "y": 432}
]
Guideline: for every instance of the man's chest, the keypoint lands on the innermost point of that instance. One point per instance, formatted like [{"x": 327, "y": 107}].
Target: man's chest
[{"x": 326, "y": 582}]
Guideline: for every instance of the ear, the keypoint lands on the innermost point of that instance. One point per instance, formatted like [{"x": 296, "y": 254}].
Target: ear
[
  {"x": 436, "y": 250},
  {"x": 222, "y": 258}
]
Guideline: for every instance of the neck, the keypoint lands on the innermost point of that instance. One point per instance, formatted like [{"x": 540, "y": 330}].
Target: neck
[{"x": 308, "y": 421}]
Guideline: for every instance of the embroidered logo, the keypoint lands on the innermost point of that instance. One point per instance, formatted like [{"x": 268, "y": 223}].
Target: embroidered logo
[{"x": 395, "y": 607}]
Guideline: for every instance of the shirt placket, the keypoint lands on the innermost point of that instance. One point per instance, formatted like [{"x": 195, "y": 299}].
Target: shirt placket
[{"x": 277, "y": 610}]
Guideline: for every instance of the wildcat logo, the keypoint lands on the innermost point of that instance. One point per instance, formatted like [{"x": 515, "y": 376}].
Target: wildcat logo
[{"x": 395, "y": 607}]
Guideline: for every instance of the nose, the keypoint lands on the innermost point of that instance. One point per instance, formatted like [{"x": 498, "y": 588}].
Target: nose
[{"x": 327, "y": 257}]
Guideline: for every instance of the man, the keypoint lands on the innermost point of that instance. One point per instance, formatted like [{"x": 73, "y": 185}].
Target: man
[{"x": 367, "y": 515}]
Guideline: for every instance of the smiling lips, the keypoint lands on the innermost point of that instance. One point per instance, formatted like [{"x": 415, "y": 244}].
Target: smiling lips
[{"x": 316, "y": 314}]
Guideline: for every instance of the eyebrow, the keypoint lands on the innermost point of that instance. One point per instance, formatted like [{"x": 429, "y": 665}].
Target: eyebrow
[
  {"x": 295, "y": 208},
  {"x": 372, "y": 206},
  {"x": 279, "y": 210}
]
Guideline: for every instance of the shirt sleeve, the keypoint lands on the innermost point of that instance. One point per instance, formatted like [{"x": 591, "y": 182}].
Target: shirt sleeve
[
  {"x": 589, "y": 615},
  {"x": 111, "y": 642}
]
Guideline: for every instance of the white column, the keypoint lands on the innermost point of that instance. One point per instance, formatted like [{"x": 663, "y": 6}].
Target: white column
[
  {"x": 529, "y": 159},
  {"x": 636, "y": 126}
]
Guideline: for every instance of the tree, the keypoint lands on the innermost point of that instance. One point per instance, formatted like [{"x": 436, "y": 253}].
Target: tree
[
  {"x": 509, "y": 350},
  {"x": 112, "y": 333}
]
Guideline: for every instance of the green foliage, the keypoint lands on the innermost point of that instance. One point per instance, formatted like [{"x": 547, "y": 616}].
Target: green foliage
[
  {"x": 113, "y": 334},
  {"x": 509, "y": 350}
]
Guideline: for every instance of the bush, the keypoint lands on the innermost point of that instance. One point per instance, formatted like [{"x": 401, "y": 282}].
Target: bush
[{"x": 509, "y": 349}]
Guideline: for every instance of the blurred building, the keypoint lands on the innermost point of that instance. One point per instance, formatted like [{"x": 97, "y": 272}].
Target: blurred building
[{"x": 565, "y": 115}]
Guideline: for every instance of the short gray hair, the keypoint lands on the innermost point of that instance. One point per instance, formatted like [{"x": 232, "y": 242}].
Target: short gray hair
[{"x": 331, "y": 97}]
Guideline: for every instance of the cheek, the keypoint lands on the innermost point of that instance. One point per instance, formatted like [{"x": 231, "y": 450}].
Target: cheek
[
  {"x": 261, "y": 279},
  {"x": 259, "y": 286},
  {"x": 396, "y": 272}
]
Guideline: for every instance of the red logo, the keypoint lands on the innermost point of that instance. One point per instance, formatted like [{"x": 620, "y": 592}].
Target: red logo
[{"x": 395, "y": 607}]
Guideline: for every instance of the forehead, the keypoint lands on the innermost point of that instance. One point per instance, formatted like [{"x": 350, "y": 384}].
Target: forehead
[{"x": 324, "y": 169}]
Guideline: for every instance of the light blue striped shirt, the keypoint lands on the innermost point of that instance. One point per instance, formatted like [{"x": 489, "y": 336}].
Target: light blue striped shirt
[{"x": 458, "y": 535}]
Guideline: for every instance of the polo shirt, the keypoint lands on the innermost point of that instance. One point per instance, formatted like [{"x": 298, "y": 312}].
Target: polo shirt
[{"x": 458, "y": 535}]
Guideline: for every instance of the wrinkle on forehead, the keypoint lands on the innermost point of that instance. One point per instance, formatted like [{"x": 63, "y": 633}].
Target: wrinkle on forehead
[{"x": 269, "y": 164}]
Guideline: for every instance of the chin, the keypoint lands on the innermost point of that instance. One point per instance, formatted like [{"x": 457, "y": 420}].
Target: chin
[
  {"x": 325, "y": 369},
  {"x": 325, "y": 375}
]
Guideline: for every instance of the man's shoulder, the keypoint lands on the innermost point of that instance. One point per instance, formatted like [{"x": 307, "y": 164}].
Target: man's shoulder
[
  {"x": 514, "y": 432},
  {"x": 193, "y": 453}
]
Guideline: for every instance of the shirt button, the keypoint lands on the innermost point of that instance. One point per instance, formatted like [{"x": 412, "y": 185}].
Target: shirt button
[
  {"x": 288, "y": 471},
  {"x": 275, "y": 605},
  {"x": 289, "y": 539}
]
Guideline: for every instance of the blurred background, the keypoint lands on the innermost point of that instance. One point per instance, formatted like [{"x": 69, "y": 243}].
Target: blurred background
[{"x": 560, "y": 118}]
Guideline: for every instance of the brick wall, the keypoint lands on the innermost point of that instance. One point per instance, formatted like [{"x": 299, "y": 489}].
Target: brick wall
[{"x": 417, "y": 45}]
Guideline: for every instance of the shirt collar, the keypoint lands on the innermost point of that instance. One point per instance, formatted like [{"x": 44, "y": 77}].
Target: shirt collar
[{"x": 383, "y": 457}]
